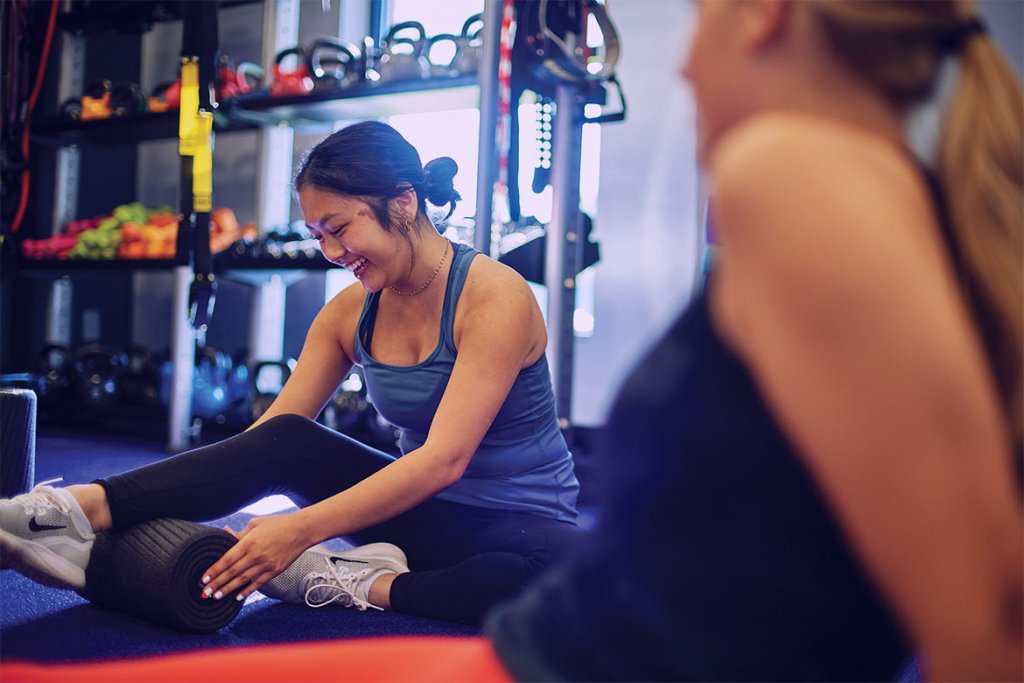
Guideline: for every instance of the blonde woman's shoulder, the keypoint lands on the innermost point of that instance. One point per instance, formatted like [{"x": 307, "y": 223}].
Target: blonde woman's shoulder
[{"x": 832, "y": 173}]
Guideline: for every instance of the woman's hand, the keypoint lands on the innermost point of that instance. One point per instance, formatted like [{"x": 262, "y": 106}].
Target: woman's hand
[{"x": 265, "y": 548}]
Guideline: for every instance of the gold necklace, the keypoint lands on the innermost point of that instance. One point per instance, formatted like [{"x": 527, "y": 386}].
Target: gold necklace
[{"x": 426, "y": 284}]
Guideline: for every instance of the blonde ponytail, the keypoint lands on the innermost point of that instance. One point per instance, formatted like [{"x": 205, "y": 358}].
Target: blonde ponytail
[
  {"x": 898, "y": 47},
  {"x": 981, "y": 169}
]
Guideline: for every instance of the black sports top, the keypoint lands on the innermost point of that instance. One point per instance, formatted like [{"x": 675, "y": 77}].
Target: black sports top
[{"x": 715, "y": 557}]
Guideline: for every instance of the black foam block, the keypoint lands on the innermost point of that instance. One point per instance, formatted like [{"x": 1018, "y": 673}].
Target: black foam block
[
  {"x": 153, "y": 570},
  {"x": 17, "y": 441}
]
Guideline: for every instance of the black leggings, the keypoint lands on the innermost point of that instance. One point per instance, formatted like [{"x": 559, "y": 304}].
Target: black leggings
[{"x": 465, "y": 558}]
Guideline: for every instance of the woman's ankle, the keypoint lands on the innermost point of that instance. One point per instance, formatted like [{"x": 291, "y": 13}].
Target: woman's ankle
[{"x": 93, "y": 500}]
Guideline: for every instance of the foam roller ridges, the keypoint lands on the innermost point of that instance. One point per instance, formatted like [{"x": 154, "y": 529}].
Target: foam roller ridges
[
  {"x": 17, "y": 441},
  {"x": 153, "y": 571}
]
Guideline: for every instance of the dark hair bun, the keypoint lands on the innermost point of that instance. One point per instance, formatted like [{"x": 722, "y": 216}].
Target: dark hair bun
[{"x": 439, "y": 187}]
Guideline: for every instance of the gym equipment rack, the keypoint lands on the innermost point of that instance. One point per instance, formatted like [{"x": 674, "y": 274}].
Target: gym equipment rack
[{"x": 278, "y": 119}]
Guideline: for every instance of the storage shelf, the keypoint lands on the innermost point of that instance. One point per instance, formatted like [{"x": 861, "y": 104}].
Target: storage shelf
[
  {"x": 126, "y": 15},
  {"x": 317, "y": 110},
  {"x": 123, "y": 130},
  {"x": 58, "y": 267}
]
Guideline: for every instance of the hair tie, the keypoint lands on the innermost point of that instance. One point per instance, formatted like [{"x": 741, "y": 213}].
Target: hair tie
[{"x": 955, "y": 39}]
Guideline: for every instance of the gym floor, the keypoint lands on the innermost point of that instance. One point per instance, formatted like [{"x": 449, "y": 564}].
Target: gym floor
[{"x": 46, "y": 625}]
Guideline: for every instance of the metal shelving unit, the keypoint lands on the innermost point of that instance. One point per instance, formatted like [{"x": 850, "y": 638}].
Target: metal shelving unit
[{"x": 277, "y": 119}]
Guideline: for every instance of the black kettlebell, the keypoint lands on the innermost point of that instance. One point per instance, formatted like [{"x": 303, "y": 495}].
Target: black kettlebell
[
  {"x": 335, "y": 64},
  {"x": 98, "y": 369},
  {"x": 127, "y": 99},
  {"x": 403, "y": 57},
  {"x": 56, "y": 366},
  {"x": 210, "y": 391},
  {"x": 140, "y": 382},
  {"x": 444, "y": 52},
  {"x": 262, "y": 399},
  {"x": 346, "y": 411}
]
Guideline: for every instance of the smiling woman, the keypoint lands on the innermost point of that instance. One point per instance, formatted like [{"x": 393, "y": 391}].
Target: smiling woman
[{"x": 452, "y": 347}]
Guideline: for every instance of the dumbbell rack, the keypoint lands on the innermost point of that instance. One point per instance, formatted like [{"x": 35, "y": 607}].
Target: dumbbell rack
[{"x": 277, "y": 119}]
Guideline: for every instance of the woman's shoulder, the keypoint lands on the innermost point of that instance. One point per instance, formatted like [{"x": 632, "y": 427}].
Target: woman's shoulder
[
  {"x": 340, "y": 316},
  {"x": 800, "y": 147},
  {"x": 798, "y": 173},
  {"x": 488, "y": 282},
  {"x": 349, "y": 301}
]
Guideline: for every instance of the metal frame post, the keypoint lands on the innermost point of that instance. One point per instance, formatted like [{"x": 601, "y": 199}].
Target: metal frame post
[
  {"x": 563, "y": 242},
  {"x": 487, "y": 153}
]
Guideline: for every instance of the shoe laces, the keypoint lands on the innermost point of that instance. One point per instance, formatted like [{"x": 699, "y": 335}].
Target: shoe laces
[
  {"x": 42, "y": 500},
  {"x": 337, "y": 584}
]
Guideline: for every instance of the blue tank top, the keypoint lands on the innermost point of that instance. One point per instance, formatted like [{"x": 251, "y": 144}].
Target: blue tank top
[
  {"x": 715, "y": 557},
  {"x": 522, "y": 462}
]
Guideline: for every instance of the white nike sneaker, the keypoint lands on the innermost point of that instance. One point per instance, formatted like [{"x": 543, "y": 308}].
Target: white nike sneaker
[
  {"x": 319, "y": 577},
  {"x": 45, "y": 535}
]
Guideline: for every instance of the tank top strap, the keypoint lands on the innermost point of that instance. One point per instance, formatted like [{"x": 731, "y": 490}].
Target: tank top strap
[
  {"x": 364, "y": 328},
  {"x": 460, "y": 266}
]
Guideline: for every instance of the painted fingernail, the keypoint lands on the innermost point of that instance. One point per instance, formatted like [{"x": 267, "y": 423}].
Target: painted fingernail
[
  {"x": 239, "y": 597},
  {"x": 218, "y": 595},
  {"x": 207, "y": 591},
  {"x": 206, "y": 580}
]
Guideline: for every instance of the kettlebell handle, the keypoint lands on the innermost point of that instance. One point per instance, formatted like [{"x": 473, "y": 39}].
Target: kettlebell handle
[
  {"x": 468, "y": 32},
  {"x": 351, "y": 53},
  {"x": 298, "y": 51},
  {"x": 421, "y": 33},
  {"x": 444, "y": 38}
]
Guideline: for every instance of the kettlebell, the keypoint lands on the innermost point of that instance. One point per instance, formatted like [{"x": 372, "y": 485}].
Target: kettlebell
[
  {"x": 472, "y": 44},
  {"x": 96, "y": 101},
  {"x": 140, "y": 383},
  {"x": 334, "y": 64},
  {"x": 210, "y": 396},
  {"x": 233, "y": 80},
  {"x": 294, "y": 82},
  {"x": 444, "y": 52},
  {"x": 56, "y": 366},
  {"x": 403, "y": 57},
  {"x": 98, "y": 369},
  {"x": 370, "y": 65},
  {"x": 346, "y": 411},
  {"x": 127, "y": 99},
  {"x": 165, "y": 96},
  {"x": 71, "y": 109},
  {"x": 262, "y": 399}
]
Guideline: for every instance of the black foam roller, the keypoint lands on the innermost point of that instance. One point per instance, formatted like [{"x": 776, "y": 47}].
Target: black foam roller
[
  {"x": 153, "y": 570},
  {"x": 17, "y": 441}
]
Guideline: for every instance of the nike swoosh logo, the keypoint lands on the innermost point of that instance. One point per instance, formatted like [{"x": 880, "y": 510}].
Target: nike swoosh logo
[
  {"x": 340, "y": 560},
  {"x": 33, "y": 525}
]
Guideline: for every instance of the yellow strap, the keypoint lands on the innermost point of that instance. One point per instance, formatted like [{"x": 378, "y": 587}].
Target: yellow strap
[
  {"x": 187, "y": 124},
  {"x": 202, "y": 164}
]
